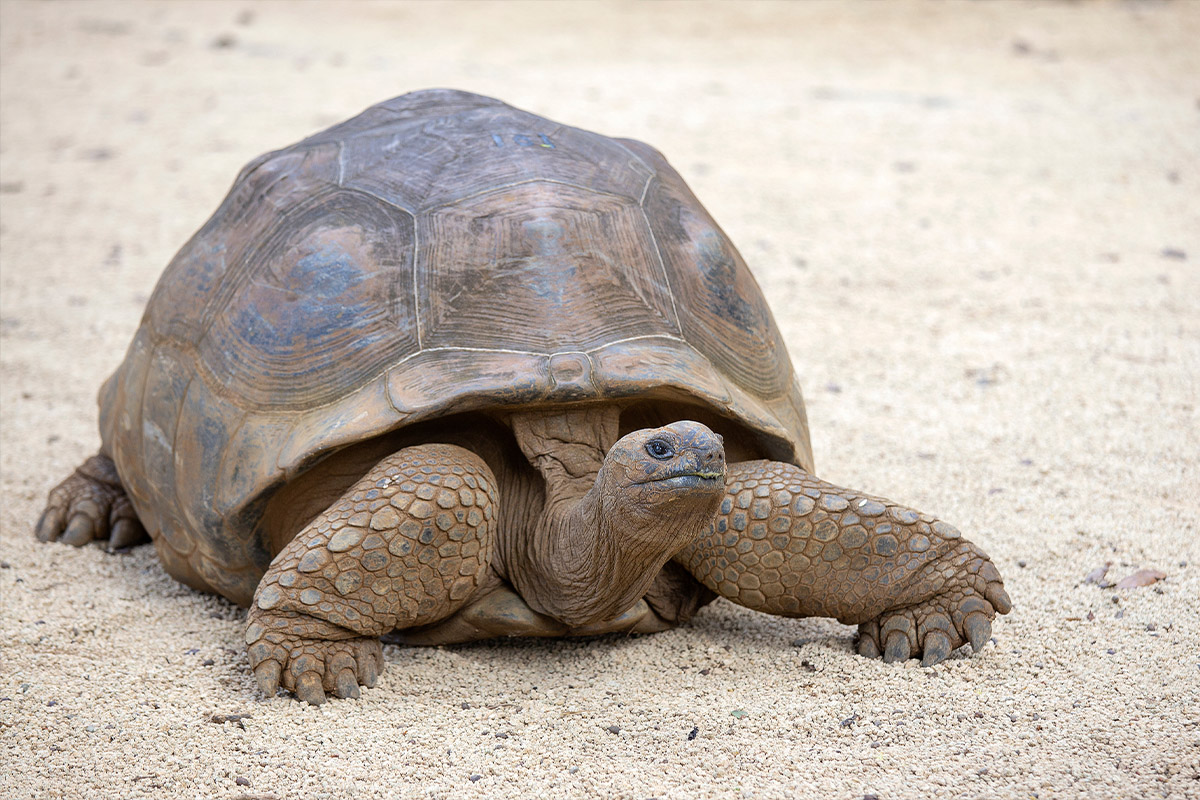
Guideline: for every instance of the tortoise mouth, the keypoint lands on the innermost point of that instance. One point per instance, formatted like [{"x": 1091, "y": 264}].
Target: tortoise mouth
[{"x": 689, "y": 479}]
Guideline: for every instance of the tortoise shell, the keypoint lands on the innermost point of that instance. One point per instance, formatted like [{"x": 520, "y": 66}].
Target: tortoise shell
[{"x": 441, "y": 252}]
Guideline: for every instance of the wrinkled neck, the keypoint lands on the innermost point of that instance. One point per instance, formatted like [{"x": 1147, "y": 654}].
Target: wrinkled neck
[
  {"x": 589, "y": 555},
  {"x": 587, "y": 562}
]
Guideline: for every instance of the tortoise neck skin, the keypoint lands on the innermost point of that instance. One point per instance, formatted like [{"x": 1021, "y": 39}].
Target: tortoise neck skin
[{"x": 613, "y": 515}]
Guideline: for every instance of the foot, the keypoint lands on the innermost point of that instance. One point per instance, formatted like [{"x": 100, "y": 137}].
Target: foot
[
  {"x": 310, "y": 657},
  {"x": 408, "y": 545},
  {"x": 968, "y": 593},
  {"x": 91, "y": 504}
]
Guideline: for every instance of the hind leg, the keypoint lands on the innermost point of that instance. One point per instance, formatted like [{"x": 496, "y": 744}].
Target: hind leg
[
  {"x": 407, "y": 545},
  {"x": 91, "y": 504}
]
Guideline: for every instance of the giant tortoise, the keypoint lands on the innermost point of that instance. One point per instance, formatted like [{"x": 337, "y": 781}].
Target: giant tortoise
[{"x": 450, "y": 371}]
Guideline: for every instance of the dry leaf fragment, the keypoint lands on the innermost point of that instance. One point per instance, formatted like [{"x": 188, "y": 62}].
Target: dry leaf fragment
[
  {"x": 1143, "y": 577},
  {"x": 1097, "y": 575}
]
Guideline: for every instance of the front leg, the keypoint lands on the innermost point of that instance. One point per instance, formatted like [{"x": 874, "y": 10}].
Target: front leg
[
  {"x": 407, "y": 545},
  {"x": 787, "y": 543}
]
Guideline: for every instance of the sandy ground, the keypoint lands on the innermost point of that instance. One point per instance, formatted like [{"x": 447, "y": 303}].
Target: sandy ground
[{"x": 979, "y": 226}]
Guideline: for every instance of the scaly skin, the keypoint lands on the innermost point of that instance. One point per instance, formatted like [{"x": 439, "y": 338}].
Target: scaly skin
[
  {"x": 787, "y": 543},
  {"x": 407, "y": 545},
  {"x": 91, "y": 504}
]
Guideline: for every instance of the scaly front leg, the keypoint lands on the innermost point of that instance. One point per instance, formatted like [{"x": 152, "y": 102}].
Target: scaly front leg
[
  {"x": 787, "y": 543},
  {"x": 407, "y": 545}
]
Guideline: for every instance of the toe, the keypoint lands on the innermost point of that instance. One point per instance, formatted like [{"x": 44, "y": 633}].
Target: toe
[
  {"x": 999, "y": 599},
  {"x": 369, "y": 672},
  {"x": 50, "y": 524},
  {"x": 977, "y": 628},
  {"x": 346, "y": 684},
  {"x": 125, "y": 533},
  {"x": 897, "y": 647},
  {"x": 867, "y": 646},
  {"x": 937, "y": 647},
  {"x": 369, "y": 661},
  {"x": 309, "y": 689},
  {"x": 267, "y": 675},
  {"x": 80, "y": 530}
]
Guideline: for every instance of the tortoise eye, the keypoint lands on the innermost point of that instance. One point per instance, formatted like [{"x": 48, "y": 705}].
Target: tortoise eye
[{"x": 660, "y": 449}]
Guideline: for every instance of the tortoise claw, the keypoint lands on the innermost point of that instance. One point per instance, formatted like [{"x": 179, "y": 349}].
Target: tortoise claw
[
  {"x": 867, "y": 647},
  {"x": 50, "y": 523},
  {"x": 369, "y": 669},
  {"x": 125, "y": 533},
  {"x": 309, "y": 690},
  {"x": 978, "y": 628},
  {"x": 267, "y": 675},
  {"x": 346, "y": 684},
  {"x": 999, "y": 598},
  {"x": 937, "y": 647},
  {"x": 80, "y": 530},
  {"x": 897, "y": 648}
]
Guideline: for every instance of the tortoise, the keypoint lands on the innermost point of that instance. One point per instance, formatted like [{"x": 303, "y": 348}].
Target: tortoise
[{"x": 449, "y": 371}]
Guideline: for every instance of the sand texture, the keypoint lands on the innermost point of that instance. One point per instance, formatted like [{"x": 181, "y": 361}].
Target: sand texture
[{"x": 979, "y": 228}]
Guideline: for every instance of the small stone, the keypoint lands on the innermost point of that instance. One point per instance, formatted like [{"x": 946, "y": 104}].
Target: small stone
[
  {"x": 474, "y": 777},
  {"x": 693, "y": 733},
  {"x": 242, "y": 781},
  {"x": 613, "y": 729}
]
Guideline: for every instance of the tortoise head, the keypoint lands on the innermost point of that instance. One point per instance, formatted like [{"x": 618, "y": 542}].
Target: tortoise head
[{"x": 664, "y": 484}]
